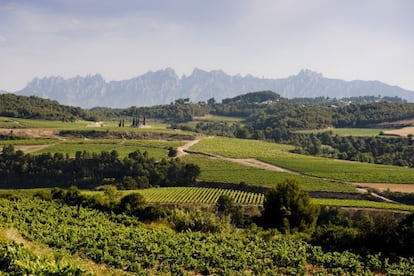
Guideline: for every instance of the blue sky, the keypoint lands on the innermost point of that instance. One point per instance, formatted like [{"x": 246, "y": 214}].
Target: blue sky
[{"x": 349, "y": 39}]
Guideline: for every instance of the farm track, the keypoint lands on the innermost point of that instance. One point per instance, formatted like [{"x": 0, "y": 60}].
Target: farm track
[
  {"x": 270, "y": 167},
  {"x": 32, "y": 148}
]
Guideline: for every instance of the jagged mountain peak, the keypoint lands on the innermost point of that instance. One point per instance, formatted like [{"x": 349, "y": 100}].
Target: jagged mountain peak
[
  {"x": 307, "y": 73},
  {"x": 164, "y": 86}
]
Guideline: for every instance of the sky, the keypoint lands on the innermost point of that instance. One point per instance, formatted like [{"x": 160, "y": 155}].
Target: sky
[{"x": 122, "y": 39}]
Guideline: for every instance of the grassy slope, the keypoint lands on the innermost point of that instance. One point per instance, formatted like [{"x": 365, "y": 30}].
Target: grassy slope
[
  {"x": 315, "y": 166},
  {"x": 215, "y": 170}
]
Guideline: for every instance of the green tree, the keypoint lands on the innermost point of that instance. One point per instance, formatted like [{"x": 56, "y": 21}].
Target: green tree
[
  {"x": 132, "y": 204},
  {"x": 289, "y": 209}
]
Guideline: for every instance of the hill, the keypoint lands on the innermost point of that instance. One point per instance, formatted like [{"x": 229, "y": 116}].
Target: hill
[
  {"x": 37, "y": 108},
  {"x": 164, "y": 86}
]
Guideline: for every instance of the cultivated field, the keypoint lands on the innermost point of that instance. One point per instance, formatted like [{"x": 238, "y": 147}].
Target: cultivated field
[
  {"x": 364, "y": 132},
  {"x": 278, "y": 155},
  {"x": 314, "y": 174},
  {"x": 222, "y": 171}
]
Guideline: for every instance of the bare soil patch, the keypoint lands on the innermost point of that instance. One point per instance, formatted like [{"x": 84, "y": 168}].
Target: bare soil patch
[
  {"x": 258, "y": 164},
  {"x": 96, "y": 124},
  {"x": 32, "y": 148},
  {"x": 181, "y": 151},
  {"x": 405, "y": 131},
  {"x": 402, "y": 188},
  {"x": 29, "y": 132}
]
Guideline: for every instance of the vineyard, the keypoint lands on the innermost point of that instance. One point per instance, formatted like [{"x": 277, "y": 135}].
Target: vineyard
[
  {"x": 121, "y": 242},
  {"x": 222, "y": 171},
  {"x": 199, "y": 195},
  {"x": 314, "y": 166}
]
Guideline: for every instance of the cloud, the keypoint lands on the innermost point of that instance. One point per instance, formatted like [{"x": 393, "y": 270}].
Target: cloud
[{"x": 344, "y": 39}]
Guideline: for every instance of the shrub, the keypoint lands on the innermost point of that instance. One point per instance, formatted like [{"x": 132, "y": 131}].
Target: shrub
[{"x": 289, "y": 209}]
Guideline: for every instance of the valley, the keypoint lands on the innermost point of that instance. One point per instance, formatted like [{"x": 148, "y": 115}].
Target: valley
[{"x": 174, "y": 212}]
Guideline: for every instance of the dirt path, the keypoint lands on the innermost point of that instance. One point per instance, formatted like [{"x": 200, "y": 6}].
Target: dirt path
[
  {"x": 184, "y": 149},
  {"x": 258, "y": 164},
  {"x": 393, "y": 187},
  {"x": 32, "y": 148},
  {"x": 250, "y": 162}
]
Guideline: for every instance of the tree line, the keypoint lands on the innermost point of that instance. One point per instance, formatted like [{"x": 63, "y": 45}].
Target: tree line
[
  {"x": 37, "y": 108},
  {"x": 87, "y": 170},
  {"x": 380, "y": 150}
]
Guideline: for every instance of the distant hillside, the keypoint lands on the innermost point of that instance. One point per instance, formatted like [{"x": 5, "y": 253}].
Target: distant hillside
[
  {"x": 165, "y": 86},
  {"x": 37, "y": 108}
]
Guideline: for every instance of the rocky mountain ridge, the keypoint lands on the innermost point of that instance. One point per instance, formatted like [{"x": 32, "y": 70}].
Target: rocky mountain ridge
[{"x": 165, "y": 86}]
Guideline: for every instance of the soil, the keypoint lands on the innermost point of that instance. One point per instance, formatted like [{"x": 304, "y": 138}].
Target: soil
[
  {"x": 31, "y": 148},
  {"x": 29, "y": 132},
  {"x": 403, "y": 188},
  {"x": 181, "y": 151},
  {"x": 96, "y": 124},
  {"x": 405, "y": 131}
]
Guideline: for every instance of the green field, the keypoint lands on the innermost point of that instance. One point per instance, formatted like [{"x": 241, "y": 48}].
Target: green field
[
  {"x": 155, "y": 149},
  {"x": 362, "y": 204},
  {"x": 278, "y": 155},
  {"x": 195, "y": 195},
  {"x": 239, "y": 148},
  {"x": 216, "y": 170},
  {"x": 341, "y": 169},
  {"x": 34, "y": 141},
  {"x": 106, "y": 126},
  {"x": 364, "y": 132}
]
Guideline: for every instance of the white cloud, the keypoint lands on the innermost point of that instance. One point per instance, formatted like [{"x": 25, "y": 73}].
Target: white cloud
[{"x": 346, "y": 39}]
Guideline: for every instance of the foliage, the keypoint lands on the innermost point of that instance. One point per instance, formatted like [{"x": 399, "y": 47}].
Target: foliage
[
  {"x": 118, "y": 242},
  {"x": 226, "y": 207},
  {"x": 288, "y": 208},
  {"x": 365, "y": 232},
  {"x": 379, "y": 150},
  {"x": 132, "y": 204},
  {"x": 89, "y": 169},
  {"x": 37, "y": 108},
  {"x": 197, "y": 195},
  {"x": 17, "y": 260},
  {"x": 197, "y": 219}
]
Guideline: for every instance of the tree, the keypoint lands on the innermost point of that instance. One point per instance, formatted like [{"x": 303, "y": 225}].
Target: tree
[
  {"x": 224, "y": 204},
  {"x": 172, "y": 152},
  {"x": 132, "y": 204},
  {"x": 289, "y": 209}
]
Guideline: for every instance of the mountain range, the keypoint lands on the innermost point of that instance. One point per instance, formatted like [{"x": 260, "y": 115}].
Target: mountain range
[{"x": 165, "y": 86}]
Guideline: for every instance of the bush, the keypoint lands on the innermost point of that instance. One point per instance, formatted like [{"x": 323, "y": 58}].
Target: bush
[
  {"x": 197, "y": 220},
  {"x": 289, "y": 209},
  {"x": 132, "y": 204}
]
